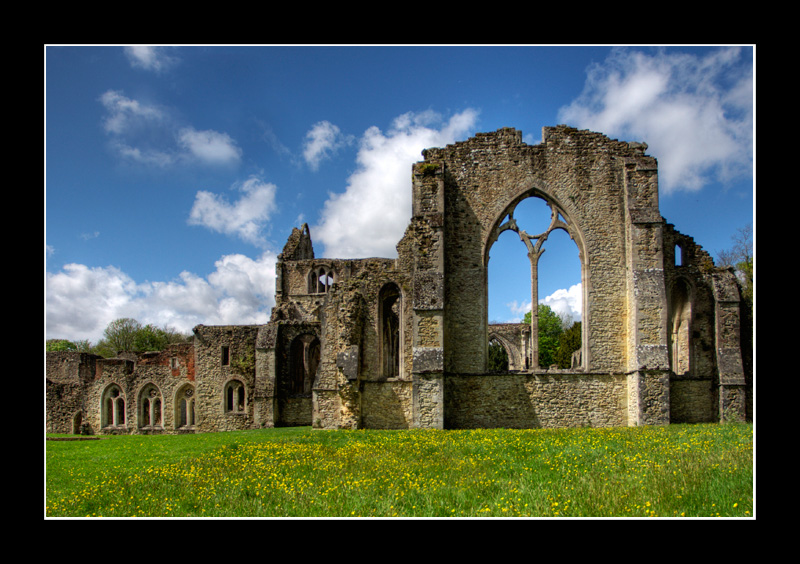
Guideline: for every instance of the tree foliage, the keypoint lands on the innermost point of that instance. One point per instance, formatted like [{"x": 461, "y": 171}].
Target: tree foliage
[
  {"x": 498, "y": 357},
  {"x": 557, "y": 337},
  {"x": 123, "y": 335},
  {"x": 568, "y": 343}
]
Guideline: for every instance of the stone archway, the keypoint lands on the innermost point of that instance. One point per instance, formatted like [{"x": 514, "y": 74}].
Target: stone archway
[{"x": 534, "y": 243}]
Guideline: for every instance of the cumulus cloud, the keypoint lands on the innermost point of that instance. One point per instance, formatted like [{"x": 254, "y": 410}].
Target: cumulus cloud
[
  {"x": 82, "y": 301},
  {"x": 149, "y": 57},
  {"x": 124, "y": 114},
  {"x": 209, "y": 146},
  {"x": 694, "y": 112},
  {"x": 147, "y": 134},
  {"x": 567, "y": 303},
  {"x": 322, "y": 141},
  {"x": 371, "y": 215},
  {"x": 245, "y": 218},
  {"x": 518, "y": 310}
]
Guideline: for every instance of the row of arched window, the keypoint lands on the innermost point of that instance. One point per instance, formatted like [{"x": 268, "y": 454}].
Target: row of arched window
[
  {"x": 150, "y": 406},
  {"x": 320, "y": 280}
]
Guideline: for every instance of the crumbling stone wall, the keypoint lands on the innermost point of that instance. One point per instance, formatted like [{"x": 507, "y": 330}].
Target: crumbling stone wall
[
  {"x": 226, "y": 397},
  {"x": 402, "y": 343}
]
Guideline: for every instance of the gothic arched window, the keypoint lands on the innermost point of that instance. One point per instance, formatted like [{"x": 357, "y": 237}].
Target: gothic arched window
[
  {"x": 184, "y": 407},
  {"x": 150, "y": 407},
  {"x": 113, "y": 412},
  {"x": 320, "y": 280},
  {"x": 235, "y": 400},
  {"x": 390, "y": 303}
]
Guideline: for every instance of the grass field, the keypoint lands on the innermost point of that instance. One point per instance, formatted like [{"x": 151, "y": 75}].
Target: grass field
[{"x": 669, "y": 471}]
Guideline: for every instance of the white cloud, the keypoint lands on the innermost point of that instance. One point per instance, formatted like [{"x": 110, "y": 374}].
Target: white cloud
[
  {"x": 568, "y": 302},
  {"x": 245, "y": 218},
  {"x": 82, "y": 301},
  {"x": 695, "y": 113},
  {"x": 209, "y": 146},
  {"x": 125, "y": 114},
  {"x": 147, "y": 134},
  {"x": 322, "y": 141},
  {"x": 518, "y": 309},
  {"x": 150, "y": 58},
  {"x": 370, "y": 217}
]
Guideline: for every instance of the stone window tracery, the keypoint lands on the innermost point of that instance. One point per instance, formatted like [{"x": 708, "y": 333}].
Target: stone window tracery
[
  {"x": 534, "y": 245},
  {"x": 235, "y": 400},
  {"x": 320, "y": 280},
  {"x": 184, "y": 407},
  {"x": 150, "y": 407},
  {"x": 113, "y": 414}
]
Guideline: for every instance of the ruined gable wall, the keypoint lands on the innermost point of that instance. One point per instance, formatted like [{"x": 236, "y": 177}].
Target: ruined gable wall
[{"x": 582, "y": 172}]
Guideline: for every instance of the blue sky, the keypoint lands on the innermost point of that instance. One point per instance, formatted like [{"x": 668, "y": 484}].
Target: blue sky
[{"x": 174, "y": 175}]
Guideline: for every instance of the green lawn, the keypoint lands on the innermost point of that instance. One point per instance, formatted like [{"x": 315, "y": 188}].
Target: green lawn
[{"x": 670, "y": 471}]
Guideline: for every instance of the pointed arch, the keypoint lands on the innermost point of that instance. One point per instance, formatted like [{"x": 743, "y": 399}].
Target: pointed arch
[
  {"x": 390, "y": 329},
  {"x": 235, "y": 397},
  {"x": 112, "y": 407},
  {"x": 184, "y": 416},
  {"x": 150, "y": 407},
  {"x": 304, "y": 356},
  {"x": 534, "y": 243},
  {"x": 680, "y": 326}
]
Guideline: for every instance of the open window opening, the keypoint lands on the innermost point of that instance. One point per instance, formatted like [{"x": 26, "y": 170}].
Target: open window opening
[
  {"x": 320, "y": 280},
  {"x": 498, "y": 357},
  {"x": 235, "y": 400},
  {"x": 390, "y": 314},
  {"x": 150, "y": 407},
  {"x": 680, "y": 328},
  {"x": 184, "y": 407},
  {"x": 304, "y": 360},
  {"x": 113, "y": 413},
  {"x": 521, "y": 273}
]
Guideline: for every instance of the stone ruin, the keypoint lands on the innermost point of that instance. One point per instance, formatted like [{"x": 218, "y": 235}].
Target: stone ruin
[{"x": 402, "y": 343}]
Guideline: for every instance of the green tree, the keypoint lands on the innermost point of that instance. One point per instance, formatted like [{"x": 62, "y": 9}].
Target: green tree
[
  {"x": 128, "y": 335},
  {"x": 59, "y": 345},
  {"x": 498, "y": 357},
  {"x": 120, "y": 335},
  {"x": 568, "y": 343},
  {"x": 150, "y": 338},
  {"x": 550, "y": 329}
]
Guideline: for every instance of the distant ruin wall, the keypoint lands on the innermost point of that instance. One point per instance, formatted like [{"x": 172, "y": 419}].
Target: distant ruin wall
[{"x": 535, "y": 400}]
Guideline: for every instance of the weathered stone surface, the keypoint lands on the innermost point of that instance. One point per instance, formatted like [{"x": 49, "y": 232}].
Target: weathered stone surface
[{"x": 402, "y": 343}]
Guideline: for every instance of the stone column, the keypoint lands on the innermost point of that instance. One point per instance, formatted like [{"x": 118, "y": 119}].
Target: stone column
[
  {"x": 428, "y": 296},
  {"x": 648, "y": 351},
  {"x": 730, "y": 370}
]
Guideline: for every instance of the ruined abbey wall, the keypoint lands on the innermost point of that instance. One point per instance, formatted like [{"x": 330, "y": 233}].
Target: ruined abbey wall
[{"x": 402, "y": 343}]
